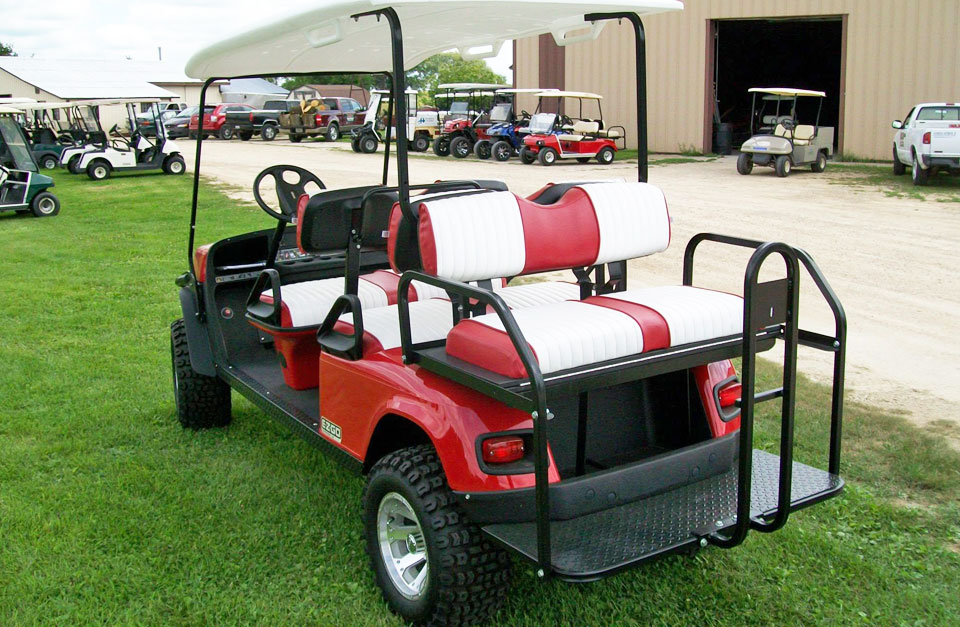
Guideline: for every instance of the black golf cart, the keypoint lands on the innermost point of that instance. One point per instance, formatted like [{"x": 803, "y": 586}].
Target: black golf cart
[{"x": 586, "y": 426}]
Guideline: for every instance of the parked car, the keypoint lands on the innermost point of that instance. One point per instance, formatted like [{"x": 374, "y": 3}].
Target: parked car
[
  {"x": 214, "y": 117},
  {"x": 179, "y": 124},
  {"x": 327, "y": 117},
  {"x": 146, "y": 121},
  {"x": 264, "y": 122},
  {"x": 928, "y": 140}
]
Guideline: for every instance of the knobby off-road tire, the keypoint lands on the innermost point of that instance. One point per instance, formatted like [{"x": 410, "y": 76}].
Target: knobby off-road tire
[
  {"x": 466, "y": 577},
  {"x": 421, "y": 143},
  {"x": 202, "y": 402},
  {"x": 441, "y": 146}
]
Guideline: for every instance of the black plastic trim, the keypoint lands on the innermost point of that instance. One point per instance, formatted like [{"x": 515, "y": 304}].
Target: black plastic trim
[{"x": 198, "y": 338}]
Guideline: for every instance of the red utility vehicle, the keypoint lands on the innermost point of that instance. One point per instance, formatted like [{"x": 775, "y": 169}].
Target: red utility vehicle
[
  {"x": 214, "y": 118},
  {"x": 586, "y": 426},
  {"x": 467, "y": 118},
  {"x": 578, "y": 138}
]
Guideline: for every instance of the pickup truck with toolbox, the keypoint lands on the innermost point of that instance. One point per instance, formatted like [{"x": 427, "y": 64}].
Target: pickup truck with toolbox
[
  {"x": 928, "y": 140},
  {"x": 264, "y": 122},
  {"x": 327, "y": 117}
]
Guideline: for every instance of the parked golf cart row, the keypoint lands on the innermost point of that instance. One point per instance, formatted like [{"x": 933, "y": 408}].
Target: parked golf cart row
[
  {"x": 112, "y": 151},
  {"x": 22, "y": 188},
  {"x": 585, "y": 426},
  {"x": 503, "y": 133}
]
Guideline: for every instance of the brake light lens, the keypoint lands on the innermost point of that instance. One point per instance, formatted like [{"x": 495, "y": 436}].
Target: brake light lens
[
  {"x": 251, "y": 117},
  {"x": 926, "y": 138},
  {"x": 730, "y": 395},
  {"x": 502, "y": 449}
]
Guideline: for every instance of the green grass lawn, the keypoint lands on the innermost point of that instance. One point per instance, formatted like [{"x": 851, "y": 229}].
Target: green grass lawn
[
  {"x": 872, "y": 177},
  {"x": 111, "y": 513}
]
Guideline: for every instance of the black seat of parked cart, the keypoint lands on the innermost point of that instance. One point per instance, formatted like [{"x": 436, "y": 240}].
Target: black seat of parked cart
[{"x": 328, "y": 218}]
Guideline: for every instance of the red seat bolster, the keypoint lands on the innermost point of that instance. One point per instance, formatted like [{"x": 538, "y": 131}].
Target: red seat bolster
[{"x": 486, "y": 347}]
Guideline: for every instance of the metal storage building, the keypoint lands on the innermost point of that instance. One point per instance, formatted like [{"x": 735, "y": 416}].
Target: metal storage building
[{"x": 874, "y": 59}]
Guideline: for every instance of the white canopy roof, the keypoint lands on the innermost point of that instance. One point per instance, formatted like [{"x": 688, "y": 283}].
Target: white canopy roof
[
  {"x": 327, "y": 39},
  {"x": 524, "y": 90},
  {"x": 553, "y": 93},
  {"x": 9, "y": 109},
  {"x": 787, "y": 91}
]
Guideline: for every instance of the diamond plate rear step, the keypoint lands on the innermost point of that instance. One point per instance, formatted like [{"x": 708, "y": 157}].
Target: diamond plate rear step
[{"x": 602, "y": 543}]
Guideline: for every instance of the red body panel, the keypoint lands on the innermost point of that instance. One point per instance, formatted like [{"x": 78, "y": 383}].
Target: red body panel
[
  {"x": 707, "y": 377},
  {"x": 355, "y": 395},
  {"x": 568, "y": 149},
  {"x": 299, "y": 355}
]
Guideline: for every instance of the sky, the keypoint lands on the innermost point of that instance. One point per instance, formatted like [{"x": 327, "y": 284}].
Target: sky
[{"x": 111, "y": 29}]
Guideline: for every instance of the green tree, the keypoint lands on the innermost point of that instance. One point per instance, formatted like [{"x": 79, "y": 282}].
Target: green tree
[
  {"x": 448, "y": 67},
  {"x": 6, "y": 51}
]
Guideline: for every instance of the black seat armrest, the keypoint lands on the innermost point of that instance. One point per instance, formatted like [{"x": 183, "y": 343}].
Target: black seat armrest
[
  {"x": 267, "y": 312},
  {"x": 340, "y": 344}
]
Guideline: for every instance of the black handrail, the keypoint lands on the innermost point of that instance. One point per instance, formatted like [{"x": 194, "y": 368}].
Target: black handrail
[{"x": 540, "y": 413}]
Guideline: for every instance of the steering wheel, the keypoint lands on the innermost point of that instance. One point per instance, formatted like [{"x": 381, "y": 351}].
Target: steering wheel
[
  {"x": 65, "y": 140},
  {"x": 787, "y": 124},
  {"x": 525, "y": 114},
  {"x": 287, "y": 193},
  {"x": 565, "y": 121}
]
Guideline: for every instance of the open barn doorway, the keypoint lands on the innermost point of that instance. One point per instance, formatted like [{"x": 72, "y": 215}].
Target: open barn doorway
[{"x": 806, "y": 53}]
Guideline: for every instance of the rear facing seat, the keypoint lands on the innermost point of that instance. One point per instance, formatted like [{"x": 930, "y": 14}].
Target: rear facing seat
[{"x": 591, "y": 224}]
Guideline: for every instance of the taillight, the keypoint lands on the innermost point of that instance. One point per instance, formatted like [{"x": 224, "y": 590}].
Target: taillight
[
  {"x": 502, "y": 449},
  {"x": 926, "y": 138},
  {"x": 251, "y": 117},
  {"x": 730, "y": 395}
]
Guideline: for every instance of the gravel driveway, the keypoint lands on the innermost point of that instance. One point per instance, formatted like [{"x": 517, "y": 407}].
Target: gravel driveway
[{"x": 890, "y": 260}]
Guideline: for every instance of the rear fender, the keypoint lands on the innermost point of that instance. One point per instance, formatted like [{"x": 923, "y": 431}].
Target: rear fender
[{"x": 198, "y": 338}]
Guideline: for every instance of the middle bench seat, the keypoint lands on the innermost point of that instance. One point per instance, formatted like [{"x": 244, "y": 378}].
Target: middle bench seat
[
  {"x": 432, "y": 319},
  {"x": 308, "y": 303}
]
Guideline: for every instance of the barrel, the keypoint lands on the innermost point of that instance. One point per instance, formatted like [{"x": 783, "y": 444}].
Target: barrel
[{"x": 723, "y": 140}]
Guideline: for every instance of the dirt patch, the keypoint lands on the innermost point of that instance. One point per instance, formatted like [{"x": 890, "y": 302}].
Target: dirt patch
[{"x": 891, "y": 260}]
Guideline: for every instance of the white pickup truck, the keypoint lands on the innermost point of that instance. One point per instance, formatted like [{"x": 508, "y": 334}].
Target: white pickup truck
[{"x": 928, "y": 140}]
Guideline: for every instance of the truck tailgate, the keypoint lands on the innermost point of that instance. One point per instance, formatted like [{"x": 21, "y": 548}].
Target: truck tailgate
[{"x": 944, "y": 137}]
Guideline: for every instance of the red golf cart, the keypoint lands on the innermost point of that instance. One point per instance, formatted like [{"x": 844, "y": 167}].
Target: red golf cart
[
  {"x": 586, "y": 425},
  {"x": 579, "y": 138}
]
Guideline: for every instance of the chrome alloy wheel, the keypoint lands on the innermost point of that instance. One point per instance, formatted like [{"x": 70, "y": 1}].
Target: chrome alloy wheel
[{"x": 403, "y": 548}]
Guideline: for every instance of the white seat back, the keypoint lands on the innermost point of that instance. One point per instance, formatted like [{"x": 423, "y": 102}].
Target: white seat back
[{"x": 583, "y": 127}]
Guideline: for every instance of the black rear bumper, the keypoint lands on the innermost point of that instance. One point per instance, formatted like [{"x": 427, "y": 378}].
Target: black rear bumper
[{"x": 607, "y": 489}]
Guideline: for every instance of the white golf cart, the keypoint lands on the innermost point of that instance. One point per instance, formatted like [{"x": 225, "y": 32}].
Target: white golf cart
[
  {"x": 368, "y": 137},
  {"x": 781, "y": 141},
  {"x": 135, "y": 153}
]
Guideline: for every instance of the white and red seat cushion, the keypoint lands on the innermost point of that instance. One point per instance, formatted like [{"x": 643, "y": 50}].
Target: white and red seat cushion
[
  {"x": 579, "y": 333},
  {"x": 432, "y": 320},
  {"x": 496, "y": 234},
  {"x": 308, "y": 303}
]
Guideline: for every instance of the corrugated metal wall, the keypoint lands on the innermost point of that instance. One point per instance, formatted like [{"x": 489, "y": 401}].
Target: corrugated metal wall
[{"x": 898, "y": 53}]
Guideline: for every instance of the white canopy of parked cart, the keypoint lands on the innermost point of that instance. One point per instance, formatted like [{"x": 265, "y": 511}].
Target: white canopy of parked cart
[
  {"x": 553, "y": 93},
  {"x": 328, "y": 39},
  {"x": 10, "y": 110},
  {"x": 50, "y": 106},
  {"x": 789, "y": 92},
  {"x": 525, "y": 90},
  {"x": 470, "y": 86}
]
